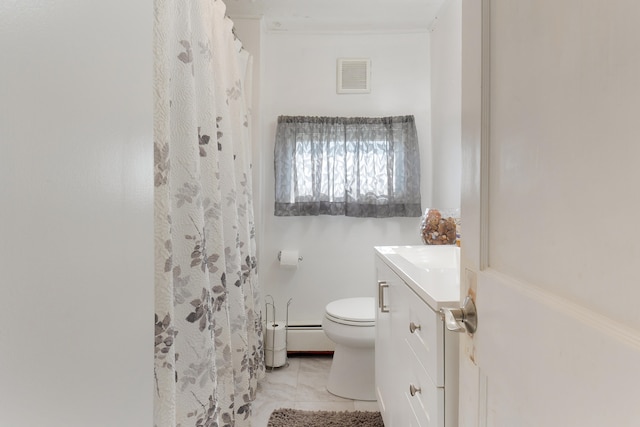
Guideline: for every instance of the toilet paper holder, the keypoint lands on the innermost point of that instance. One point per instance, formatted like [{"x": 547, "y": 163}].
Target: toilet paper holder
[
  {"x": 280, "y": 259},
  {"x": 269, "y": 302}
]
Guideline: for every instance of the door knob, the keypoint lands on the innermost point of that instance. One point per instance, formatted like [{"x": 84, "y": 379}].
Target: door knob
[{"x": 461, "y": 319}]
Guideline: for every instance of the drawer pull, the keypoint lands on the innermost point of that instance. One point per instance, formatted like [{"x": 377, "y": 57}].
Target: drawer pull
[
  {"x": 413, "y": 390},
  {"x": 413, "y": 327},
  {"x": 382, "y": 285}
]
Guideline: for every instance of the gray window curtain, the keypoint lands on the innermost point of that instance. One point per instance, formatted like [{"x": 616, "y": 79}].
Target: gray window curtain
[{"x": 353, "y": 166}]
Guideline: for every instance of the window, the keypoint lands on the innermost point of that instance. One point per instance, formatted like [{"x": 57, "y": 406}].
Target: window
[{"x": 364, "y": 167}]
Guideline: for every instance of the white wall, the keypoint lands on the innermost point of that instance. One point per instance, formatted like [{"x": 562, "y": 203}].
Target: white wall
[
  {"x": 446, "y": 78},
  {"x": 299, "y": 79},
  {"x": 76, "y": 222}
]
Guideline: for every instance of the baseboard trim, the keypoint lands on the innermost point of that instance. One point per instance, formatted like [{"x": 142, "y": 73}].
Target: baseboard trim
[{"x": 308, "y": 338}]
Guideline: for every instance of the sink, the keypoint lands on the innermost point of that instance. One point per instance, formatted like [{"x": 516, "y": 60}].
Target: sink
[
  {"x": 433, "y": 272},
  {"x": 431, "y": 257}
]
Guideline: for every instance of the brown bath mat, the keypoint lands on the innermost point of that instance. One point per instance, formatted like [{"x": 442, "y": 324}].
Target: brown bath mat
[{"x": 298, "y": 418}]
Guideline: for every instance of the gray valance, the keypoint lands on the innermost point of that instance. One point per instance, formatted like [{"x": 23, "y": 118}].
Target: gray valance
[{"x": 353, "y": 166}]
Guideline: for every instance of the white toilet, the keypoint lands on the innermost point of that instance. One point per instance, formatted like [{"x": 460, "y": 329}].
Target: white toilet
[{"x": 350, "y": 324}]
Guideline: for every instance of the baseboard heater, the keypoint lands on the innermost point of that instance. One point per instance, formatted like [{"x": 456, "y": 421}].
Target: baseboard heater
[{"x": 308, "y": 339}]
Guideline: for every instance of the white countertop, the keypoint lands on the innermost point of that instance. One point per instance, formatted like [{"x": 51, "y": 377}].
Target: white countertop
[{"x": 433, "y": 272}]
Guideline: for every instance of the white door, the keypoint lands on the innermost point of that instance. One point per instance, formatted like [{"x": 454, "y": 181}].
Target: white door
[{"x": 551, "y": 213}]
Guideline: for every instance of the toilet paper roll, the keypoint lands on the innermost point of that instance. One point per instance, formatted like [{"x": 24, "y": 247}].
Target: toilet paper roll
[
  {"x": 276, "y": 336},
  {"x": 275, "y": 359},
  {"x": 289, "y": 259}
]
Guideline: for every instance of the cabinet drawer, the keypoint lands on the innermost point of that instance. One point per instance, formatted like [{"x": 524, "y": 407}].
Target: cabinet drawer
[
  {"x": 427, "y": 339},
  {"x": 427, "y": 403},
  {"x": 416, "y": 416}
]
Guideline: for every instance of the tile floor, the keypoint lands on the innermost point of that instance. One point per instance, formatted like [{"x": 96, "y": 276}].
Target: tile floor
[{"x": 301, "y": 385}]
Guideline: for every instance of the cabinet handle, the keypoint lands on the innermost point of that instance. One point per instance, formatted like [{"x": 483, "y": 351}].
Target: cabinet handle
[
  {"x": 381, "y": 305},
  {"x": 413, "y": 390},
  {"x": 413, "y": 327}
]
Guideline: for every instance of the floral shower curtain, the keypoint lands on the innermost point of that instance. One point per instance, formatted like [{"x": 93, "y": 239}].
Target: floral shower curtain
[{"x": 208, "y": 346}]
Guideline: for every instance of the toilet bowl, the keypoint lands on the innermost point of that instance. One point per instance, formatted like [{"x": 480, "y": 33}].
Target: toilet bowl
[{"x": 350, "y": 324}]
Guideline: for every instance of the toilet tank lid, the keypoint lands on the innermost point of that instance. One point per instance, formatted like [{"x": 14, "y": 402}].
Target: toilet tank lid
[{"x": 354, "y": 309}]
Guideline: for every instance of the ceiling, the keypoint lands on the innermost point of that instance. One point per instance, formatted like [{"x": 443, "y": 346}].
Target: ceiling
[{"x": 338, "y": 15}]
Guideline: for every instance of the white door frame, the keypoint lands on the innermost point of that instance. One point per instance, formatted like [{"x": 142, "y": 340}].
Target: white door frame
[{"x": 475, "y": 189}]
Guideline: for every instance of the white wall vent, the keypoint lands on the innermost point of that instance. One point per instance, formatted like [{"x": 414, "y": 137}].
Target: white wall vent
[{"x": 354, "y": 75}]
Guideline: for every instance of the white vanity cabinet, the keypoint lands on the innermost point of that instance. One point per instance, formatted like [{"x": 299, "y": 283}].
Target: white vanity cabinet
[{"x": 416, "y": 358}]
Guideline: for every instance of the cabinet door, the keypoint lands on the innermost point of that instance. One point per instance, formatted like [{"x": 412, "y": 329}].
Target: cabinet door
[
  {"x": 426, "y": 400},
  {"x": 390, "y": 360},
  {"x": 399, "y": 293},
  {"x": 427, "y": 338},
  {"x": 421, "y": 365},
  {"x": 397, "y": 365},
  {"x": 383, "y": 347}
]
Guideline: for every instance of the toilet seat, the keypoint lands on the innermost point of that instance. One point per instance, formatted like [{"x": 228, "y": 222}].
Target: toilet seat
[{"x": 352, "y": 311}]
